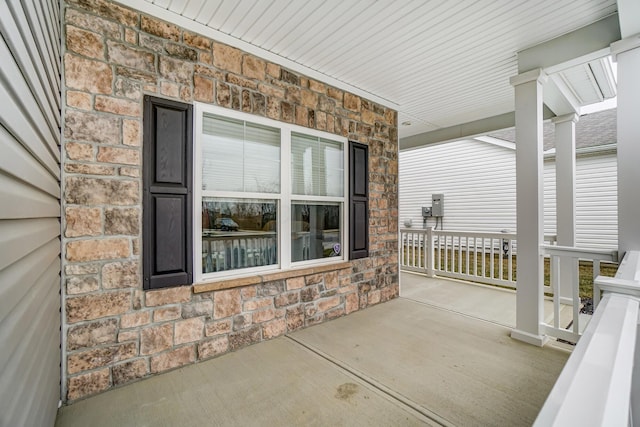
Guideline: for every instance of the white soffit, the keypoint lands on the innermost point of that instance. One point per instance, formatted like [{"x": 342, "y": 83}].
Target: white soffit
[{"x": 438, "y": 63}]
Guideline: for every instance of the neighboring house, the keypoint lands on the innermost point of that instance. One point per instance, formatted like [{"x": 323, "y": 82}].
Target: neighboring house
[
  {"x": 132, "y": 222},
  {"x": 479, "y": 186}
]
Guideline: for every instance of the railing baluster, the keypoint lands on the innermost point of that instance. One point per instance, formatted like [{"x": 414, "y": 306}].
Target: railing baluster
[
  {"x": 576, "y": 301},
  {"x": 460, "y": 254},
  {"x": 466, "y": 241},
  {"x": 596, "y": 288},
  {"x": 554, "y": 265},
  {"x": 510, "y": 261}
]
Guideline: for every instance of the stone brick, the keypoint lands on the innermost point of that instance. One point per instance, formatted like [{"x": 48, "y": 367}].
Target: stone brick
[
  {"x": 128, "y": 89},
  {"x": 274, "y": 328},
  {"x": 226, "y": 303},
  {"x": 351, "y": 303},
  {"x": 81, "y": 221},
  {"x": 242, "y": 321},
  {"x": 295, "y": 318},
  {"x": 181, "y": 52},
  {"x": 155, "y": 339},
  {"x": 130, "y": 36},
  {"x": 273, "y": 70},
  {"x": 309, "y": 99},
  {"x": 302, "y": 116},
  {"x": 214, "y": 347},
  {"x": 253, "y": 68},
  {"x": 271, "y": 288},
  {"x": 313, "y": 279},
  {"x": 295, "y": 283},
  {"x": 328, "y": 303},
  {"x": 128, "y": 371},
  {"x": 80, "y": 269},
  {"x": 196, "y": 40},
  {"x": 84, "y": 42},
  {"x": 87, "y": 75},
  {"x": 87, "y": 384},
  {"x": 176, "y": 70},
  {"x": 90, "y": 307},
  {"x": 94, "y": 23},
  {"x": 289, "y": 77},
  {"x": 80, "y": 100},
  {"x": 166, "y": 313},
  {"x": 159, "y": 28},
  {"x": 173, "y": 359},
  {"x": 81, "y": 284},
  {"x": 334, "y": 313},
  {"x": 235, "y": 97},
  {"x": 92, "y": 334},
  {"x": 259, "y": 103},
  {"x": 185, "y": 94},
  {"x": 227, "y": 58},
  {"x": 257, "y": 304},
  {"x": 287, "y": 112},
  {"x": 131, "y": 134},
  {"x": 189, "y": 330},
  {"x": 243, "y": 338},
  {"x": 273, "y": 108},
  {"x": 263, "y": 315},
  {"x": 293, "y": 95},
  {"x": 93, "y": 250},
  {"x": 331, "y": 280},
  {"x": 84, "y": 169},
  {"x": 133, "y": 335},
  {"x": 248, "y": 292},
  {"x": 127, "y": 56},
  {"x": 316, "y": 86},
  {"x": 99, "y": 357},
  {"x": 122, "y": 221},
  {"x": 198, "y": 308},
  {"x": 202, "y": 89},
  {"x": 101, "y": 191},
  {"x": 82, "y": 126},
  {"x": 121, "y": 275},
  {"x": 352, "y": 102},
  {"x": 373, "y": 297},
  {"x": 223, "y": 94},
  {"x": 123, "y": 107},
  {"x": 170, "y": 89},
  {"x": 135, "y": 319},
  {"x": 152, "y": 43},
  {"x": 217, "y": 328},
  {"x": 131, "y": 172},
  {"x": 336, "y": 94},
  {"x": 273, "y": 91},
  {"x": 206, "y": 57},
  {"x": 78, "y": 151},
  {"x": 179, "y": 294},
  {"x": 321, "y": 120},
  {"x": 288, "y": 298},
  {"x": 310, "y": 309},
  {"x": 309, "y": 294},
  {"x": 137, "y": 75},
  {"x": 108, "y": 10}
]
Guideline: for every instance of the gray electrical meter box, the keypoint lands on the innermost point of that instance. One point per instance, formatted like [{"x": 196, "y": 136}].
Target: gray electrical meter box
[{"x": 437, "y": 204}]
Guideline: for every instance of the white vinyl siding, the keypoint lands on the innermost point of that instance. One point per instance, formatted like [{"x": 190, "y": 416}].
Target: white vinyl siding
[
  {"x": 29, "y": 212},
  {"x": 478, "y": 182}
]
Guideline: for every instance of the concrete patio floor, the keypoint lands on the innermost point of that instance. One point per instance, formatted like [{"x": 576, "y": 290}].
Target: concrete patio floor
[{"x": 404, "y": 362}]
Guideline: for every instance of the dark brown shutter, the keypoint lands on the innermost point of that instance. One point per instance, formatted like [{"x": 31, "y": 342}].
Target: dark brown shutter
[
  {"x": 358, "y": 200},
  {"x": 167, "y": 249}
]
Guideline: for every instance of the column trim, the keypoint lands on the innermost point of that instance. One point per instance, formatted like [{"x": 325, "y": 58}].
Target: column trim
[
  {"x": 624, "y": 45},
  {"x": 574, "y": 117},
  {"x": 534, "y": 75}
]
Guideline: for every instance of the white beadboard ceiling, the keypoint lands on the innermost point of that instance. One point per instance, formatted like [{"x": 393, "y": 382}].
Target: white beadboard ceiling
[{"x": 438, "y": 62}]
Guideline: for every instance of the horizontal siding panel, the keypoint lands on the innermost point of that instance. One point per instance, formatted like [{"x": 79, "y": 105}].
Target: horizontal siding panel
[
  {"x": 29, "y": 212},
  {"x": 20, "y": 237},
  {"x": 26, "y": 202},
  {"x": 478, "y": 182},
  {"x": 19, "y": 163}
]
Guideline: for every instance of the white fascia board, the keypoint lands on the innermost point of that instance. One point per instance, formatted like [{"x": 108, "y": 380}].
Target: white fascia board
[
  {"x": 196, "y": 27},
  {"x": 559, "y": 97},
  {"x": 572, "y": 47}
]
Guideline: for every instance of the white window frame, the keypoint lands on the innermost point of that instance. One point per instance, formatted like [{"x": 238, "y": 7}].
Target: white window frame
[{"x": 284, "y": 198}]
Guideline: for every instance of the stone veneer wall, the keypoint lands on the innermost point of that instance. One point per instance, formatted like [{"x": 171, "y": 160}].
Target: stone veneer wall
[{"x": 116, "y": 332}]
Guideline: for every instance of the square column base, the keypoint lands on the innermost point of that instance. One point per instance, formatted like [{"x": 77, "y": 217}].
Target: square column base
[{"x": 538, "y": 340}]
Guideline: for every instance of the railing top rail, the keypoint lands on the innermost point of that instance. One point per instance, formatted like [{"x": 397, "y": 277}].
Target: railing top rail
[
  {"x": 590, "y": 253},
  {"x": 595, "y": 385},
  {"x": 627, "y": 279},
  {"x": 459, "y": 233}
]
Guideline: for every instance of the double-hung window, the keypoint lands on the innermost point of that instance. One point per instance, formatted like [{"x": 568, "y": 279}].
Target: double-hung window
[{"x": 268, "y": 195}]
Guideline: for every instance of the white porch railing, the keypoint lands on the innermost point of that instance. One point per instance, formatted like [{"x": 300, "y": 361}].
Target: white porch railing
[
  {"x": 556, "y": 253},
  {"x": 479, "y": 257},
  {"x": 599, "y": 385}
]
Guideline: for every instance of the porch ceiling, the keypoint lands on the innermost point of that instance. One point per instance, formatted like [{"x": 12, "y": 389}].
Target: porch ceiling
[{"x": 438, "y": 63}]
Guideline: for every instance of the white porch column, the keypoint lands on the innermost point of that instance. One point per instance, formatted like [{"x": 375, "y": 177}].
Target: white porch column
[
  {"x": 565, "y": 137},
  {"x": 627, "y": 54},
  {"x": 529, "y": 206}
]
